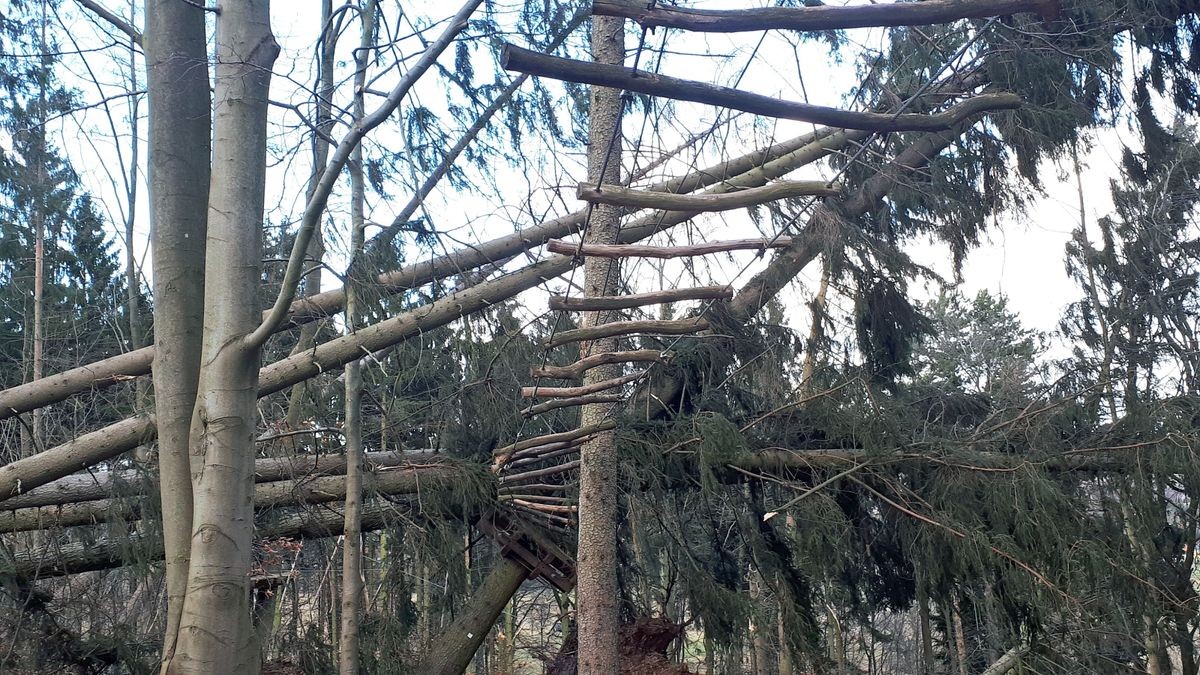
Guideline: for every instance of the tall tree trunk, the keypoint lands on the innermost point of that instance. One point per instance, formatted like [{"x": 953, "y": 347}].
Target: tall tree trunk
[
  {"x": 178, "y": 163},
  {"x": 352, "y": 572},
  {"x": 215, "y": 633},
  {"x": 596, "y": 589},
  {"x": 758, "y": 638},
  {"x": 960, "y": 637},
  {"x": 928, "y": 663},
  {"x": 38, "y": 221}
]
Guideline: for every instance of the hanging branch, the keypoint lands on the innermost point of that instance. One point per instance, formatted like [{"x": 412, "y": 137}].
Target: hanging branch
[
  {"x": 586, "y": 304},
  {"x": 645, "y": 199},
  {"x": 619, "y": 77},
  {"x": 573, "y": 392},
  {"x": 818, "y": 18},
  {"x": 644, "y": 251},
  {"x": 677, "y": 327}
]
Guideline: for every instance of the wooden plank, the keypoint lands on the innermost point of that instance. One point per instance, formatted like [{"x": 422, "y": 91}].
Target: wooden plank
[
  {"x": 576, "y": 370},
  {"x": 828, "y": 17},
  {"x": 502, "y": 455},
  {"x": 728, "y": 201},
  {"x": 664, "y": 252},
  {"x": 521, "y": 60},
  {"x": 574, "y": 392},
  {"x": 676, "y": 327},
  {"x": 585, "y": 304},
  {"x": 570, "y": 402}
]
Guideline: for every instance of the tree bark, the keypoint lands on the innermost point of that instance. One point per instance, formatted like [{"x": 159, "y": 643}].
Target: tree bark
[
  {"x": 596, "y": 568},
  {"x": 615, "y": 75},
  {"x": 352, "y": 564},
  {"x": 214, "y": 632},
  {"x": 458, "y": 643},
  {"x": 179, "y": 143}
]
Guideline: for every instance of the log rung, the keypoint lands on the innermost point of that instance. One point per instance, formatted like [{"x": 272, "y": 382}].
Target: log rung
[
  {"x": 517, "y": 59},
  {"x": 577, "y": 392},
  {"x": 576, "y": 370},
  {"x": 664, "y": 252},
  {"x": 617, "y": 328},
  {"x": 558, "y": 404},
  {"x": 705, "y": 203},
  {"x": 581, "y": 304},
  {"x": 818, "y": 18}
]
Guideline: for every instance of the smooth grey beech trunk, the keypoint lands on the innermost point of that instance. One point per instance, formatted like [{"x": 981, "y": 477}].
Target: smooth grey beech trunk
[
  {"x": 596, "y": 589},
  {"x": 215, "y": 635},
  {"x": 179, "y": 146}
]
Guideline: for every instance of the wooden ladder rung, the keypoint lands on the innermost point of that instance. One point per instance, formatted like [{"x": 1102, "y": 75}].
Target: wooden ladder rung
[
  {"x": 576, "y": 370},
  {"x": 616, "y": 328},
  {"x": 706, "y": 203},
  {"x": 582, "y": 304},
  {"x": 575, "y": 392},
  {"x": 647, "y": 251}
]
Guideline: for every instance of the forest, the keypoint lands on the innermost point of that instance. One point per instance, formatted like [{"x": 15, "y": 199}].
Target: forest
[{"x": 789, "y": 337}]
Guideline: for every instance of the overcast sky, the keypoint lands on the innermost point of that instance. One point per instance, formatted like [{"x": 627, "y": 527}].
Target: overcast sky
[{"x": 1022, "y": 258}]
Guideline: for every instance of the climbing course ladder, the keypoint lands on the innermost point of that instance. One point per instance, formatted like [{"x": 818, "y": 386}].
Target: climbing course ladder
[{"x": 536, "y": 474}]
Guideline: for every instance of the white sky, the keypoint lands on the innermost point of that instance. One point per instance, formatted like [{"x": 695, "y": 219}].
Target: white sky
[{"x": 1022, "y": 259}]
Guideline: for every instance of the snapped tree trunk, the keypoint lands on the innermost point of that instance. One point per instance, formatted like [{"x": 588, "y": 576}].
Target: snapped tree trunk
[
  {"x": 178, "y": 163},
  {"x": 215, "y": 633},
  {"x": 596, "y": 589}
]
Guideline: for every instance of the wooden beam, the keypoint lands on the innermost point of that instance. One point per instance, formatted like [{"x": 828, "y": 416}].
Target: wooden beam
[
  {"x": 728, "y": 201},
  {"x": 541, "y": 408},
  {"x": 676, "y": 327},
  {"x": 585, "y": 304},
  {"x": 828, "y": 17},
  {"x": 576, "y": 370},
  {"x": 521, "y": 60},
  {"x": 502, "y": 455},
  {"x": 542, "y": 458},
  {"x": 646, "y": 251},
  {"x": 548, "y": 448},
  {"x": 572, "y": 392},
  {"x": 540, "y": 473}
]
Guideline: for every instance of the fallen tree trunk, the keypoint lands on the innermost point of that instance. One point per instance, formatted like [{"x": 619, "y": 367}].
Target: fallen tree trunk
[
  {"x": 619, "y": 77},
  {"x": 107, "y": 484},
  {"x": 395, "y": 479},
  {"x": 56, "y": 560},
  {"x": 821, "y": 17},
  {"x": 456, "y": 646},
  {"x": 334, "y": 354},
  {"x": 106, "y": 372}
]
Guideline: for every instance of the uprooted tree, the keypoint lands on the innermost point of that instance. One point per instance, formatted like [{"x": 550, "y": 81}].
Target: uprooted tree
[{"x": 703, "y": 471}]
